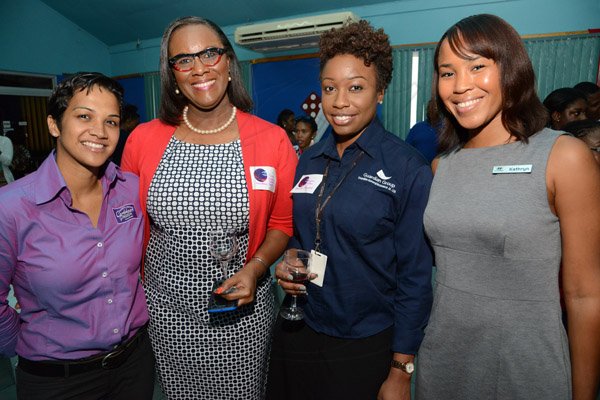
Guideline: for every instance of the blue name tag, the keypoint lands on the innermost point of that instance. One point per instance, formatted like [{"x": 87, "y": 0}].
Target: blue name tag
[{"x": 512, "y": 169}]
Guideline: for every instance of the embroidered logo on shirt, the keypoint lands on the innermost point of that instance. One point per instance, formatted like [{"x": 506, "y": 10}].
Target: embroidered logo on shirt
[
  {"x": 125, "y": 213},
  {"x": 381, "y": 174},
  {"x": 379, "y": 182}
]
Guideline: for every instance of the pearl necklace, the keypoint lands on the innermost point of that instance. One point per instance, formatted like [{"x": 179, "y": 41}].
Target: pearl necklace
[{"x": 209, "y": 131}]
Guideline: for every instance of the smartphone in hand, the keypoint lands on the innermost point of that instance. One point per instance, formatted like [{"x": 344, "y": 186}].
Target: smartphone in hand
[{"x": 217, "y": 303}]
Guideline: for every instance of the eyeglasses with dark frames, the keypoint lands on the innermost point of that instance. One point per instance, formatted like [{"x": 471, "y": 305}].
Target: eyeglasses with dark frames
[{"x": 185, "y": 62}]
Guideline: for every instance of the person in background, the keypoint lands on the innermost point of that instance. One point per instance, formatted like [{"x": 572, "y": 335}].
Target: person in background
[
  {"x": 593, "y": 109},
  {"x": 587, "y": 130},
  {"x": 592, "y": 94},
  {"x": 423, "y": 136},
  {"x": 305, "y": 132},
  {"x": 71, "y": 245},
  {"x": 6, "y": 156},
  {"x": 22, "y": 162},
  {"x": 207, "y": 164},
  {"x": 129, "y": 120},
  {"x": 511, "y": 203},
  {"x": 565, "y": 105},
  {"x": 286, "y": 120},
  {"x": 364, "y": 322}
]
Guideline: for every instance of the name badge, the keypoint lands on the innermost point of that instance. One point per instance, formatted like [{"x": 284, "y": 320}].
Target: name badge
[
  {"x": 263, "y": 178},
  {"x": 318, "y": 263},
  {"x": 307, "y": 183},
  {"x": 125, "y": 213},
  {"x": 512, "y": 169}
]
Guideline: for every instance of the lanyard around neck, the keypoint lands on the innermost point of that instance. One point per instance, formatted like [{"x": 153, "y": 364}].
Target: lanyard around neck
[{"x": 322, "y": 203}]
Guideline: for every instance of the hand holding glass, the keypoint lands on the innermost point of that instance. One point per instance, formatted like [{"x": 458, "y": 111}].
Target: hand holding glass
[
  {"x": 297, "y": 264},
  {"x": 223, "y": 247}
]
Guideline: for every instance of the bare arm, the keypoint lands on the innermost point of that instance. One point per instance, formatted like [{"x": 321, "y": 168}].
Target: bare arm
[{"x": 573, "y": 180}]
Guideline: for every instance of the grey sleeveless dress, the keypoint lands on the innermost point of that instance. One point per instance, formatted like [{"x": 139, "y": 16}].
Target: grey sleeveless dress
[{"x": 495, "y": 330}]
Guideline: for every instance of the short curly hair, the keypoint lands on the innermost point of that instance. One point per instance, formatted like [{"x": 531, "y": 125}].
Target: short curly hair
[{"x": 362, "y": 41}]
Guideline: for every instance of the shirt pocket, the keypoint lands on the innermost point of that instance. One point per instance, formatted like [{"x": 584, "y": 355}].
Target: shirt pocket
[{"x": 369, "y": 215}]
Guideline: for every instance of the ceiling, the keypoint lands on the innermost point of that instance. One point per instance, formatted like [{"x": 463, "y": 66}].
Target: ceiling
[{"x": 121, "y": 21}]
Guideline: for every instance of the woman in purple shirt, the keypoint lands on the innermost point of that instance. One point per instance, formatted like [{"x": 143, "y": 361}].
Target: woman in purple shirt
[{"x": 71, "y": 245}]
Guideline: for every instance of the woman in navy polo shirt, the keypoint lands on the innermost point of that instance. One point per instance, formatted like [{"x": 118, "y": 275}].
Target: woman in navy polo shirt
[{"x": 71, "y": 245}]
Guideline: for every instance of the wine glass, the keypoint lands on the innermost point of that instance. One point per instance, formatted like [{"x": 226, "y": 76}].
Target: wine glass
[
  {"x": 297, "y": 264},
  {"x": 223, "y": 246}
]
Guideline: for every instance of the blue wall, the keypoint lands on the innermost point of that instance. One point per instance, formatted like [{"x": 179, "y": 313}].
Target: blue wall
[
  {"x": 411, "y": 22},
  {"x": 35, "y": 38}
]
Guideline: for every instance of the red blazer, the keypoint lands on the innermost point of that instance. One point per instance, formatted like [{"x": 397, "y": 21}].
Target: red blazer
[{"x": 263, "y": 144}]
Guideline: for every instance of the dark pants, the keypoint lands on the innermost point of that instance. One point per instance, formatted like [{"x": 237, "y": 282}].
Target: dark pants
[
  {"x": 307, "y": 365},
  {"x": 134, "y": 380}
]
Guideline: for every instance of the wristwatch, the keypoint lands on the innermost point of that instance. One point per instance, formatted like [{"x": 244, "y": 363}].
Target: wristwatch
[{"x": 407, "y": 367}]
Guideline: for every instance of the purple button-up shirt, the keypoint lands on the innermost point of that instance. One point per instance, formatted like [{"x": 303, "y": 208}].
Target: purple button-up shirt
[{"x": 78, "y": 286}]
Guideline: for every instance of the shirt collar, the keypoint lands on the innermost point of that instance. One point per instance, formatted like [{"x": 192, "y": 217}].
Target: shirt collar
[
  {"x": 50, "y": 182},
  {"x": 368, "y": 141}
]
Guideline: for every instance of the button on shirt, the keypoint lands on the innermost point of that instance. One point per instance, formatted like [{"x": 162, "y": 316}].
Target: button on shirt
[
  {"x": 78, "y": 286},
  {"x": 379, "y": 264}
]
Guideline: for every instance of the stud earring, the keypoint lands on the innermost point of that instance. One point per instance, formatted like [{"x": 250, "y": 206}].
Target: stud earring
[
  {"x": 230, "y": 79},
  {"x": 176, "y": 90}
]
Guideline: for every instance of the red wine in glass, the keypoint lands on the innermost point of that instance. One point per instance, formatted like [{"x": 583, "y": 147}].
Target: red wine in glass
[
  {"x": 299, "y": 276},
  {"x": 298, "y": 267}
]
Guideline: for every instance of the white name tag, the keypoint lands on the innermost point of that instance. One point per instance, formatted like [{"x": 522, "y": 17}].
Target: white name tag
[
  {"x": 318, "y": 263},
  {"x": 263, "y": 178},
  {"x": 512, "y": 169},
  {"x": 307, "y": 183}
]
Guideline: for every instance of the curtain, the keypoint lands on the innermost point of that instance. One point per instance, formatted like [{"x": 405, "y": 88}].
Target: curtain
[
  {"x": 425, "y": 74},
  {"x": 33, "y": 109},
  {"x": 152, "y": 94},
  {"x": 395, "y": 113},
  {"x": 563, "y": 61},
  {"x": 558, "y": 61}
]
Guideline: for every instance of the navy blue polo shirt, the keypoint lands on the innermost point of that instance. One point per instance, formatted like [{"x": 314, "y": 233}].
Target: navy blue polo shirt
[{"x": 379, "y": 264}]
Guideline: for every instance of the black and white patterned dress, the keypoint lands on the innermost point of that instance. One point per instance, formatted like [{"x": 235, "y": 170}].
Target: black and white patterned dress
[{"x": 197, "y": 188}]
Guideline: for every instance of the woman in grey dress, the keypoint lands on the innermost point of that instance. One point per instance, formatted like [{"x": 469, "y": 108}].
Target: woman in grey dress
[{"x": 510, "y": 203}]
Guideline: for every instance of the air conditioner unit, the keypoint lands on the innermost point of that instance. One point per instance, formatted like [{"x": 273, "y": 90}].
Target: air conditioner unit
[{"x": 298, "y": 33}]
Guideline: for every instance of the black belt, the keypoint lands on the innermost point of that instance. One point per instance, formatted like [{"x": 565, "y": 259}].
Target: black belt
[{"x": 65, "y": 368}]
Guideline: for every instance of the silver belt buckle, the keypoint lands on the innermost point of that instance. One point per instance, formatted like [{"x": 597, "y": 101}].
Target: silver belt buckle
[{"x": 107, "y": 359}]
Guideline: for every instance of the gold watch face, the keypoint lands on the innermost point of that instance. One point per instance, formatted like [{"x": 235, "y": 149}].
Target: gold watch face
[{"x": 407, "y": 367}]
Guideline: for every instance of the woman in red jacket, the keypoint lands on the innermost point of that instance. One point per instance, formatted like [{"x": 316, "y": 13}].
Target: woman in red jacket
[{"x": 206, "y": 164}]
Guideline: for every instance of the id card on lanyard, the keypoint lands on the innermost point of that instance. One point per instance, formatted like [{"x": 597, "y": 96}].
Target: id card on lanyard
[{"x": 318, "y": 259}]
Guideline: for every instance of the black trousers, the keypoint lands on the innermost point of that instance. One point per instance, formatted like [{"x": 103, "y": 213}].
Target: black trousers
[
  {"x": 307, "y": 365},
  {"x": 134, "y": 380}
]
